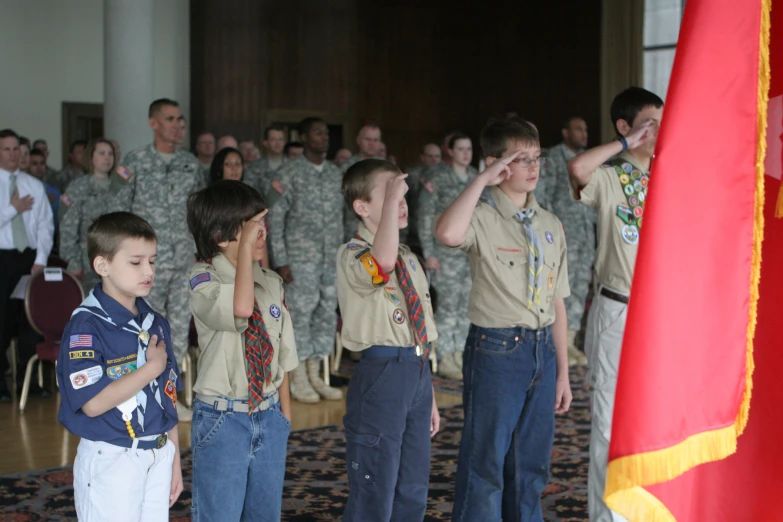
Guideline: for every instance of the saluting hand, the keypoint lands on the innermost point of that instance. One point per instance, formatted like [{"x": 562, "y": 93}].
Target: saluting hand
[
  {"x": 499, "y": 171},
  {"x": 396, "y": 188},
  {"x": 641, "y": 133},
  {"x": 254, "y": 231}
]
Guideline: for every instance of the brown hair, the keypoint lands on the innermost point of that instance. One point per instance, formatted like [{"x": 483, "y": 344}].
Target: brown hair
[
  {"x": 358, "y": 180},
  {"x": 90, "y": 150},
  {"x": 108, "y": 231},
  {"x": 498, "y": 133}
]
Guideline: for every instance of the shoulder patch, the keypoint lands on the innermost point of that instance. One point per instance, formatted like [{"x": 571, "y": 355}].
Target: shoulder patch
[
  {"x": 80, "y": 341},
  {"x": 201, "y": 278},
  {"x": 378, "y": 276},
  {"x": 66, "y": 200},
  {"x": 278, "y": 186},
  {"x": 124, "y": 173},
  {"x": 353, "y": 246},
  {"x": 86, "y": 377},
  {"x": 429, "y": 187}
]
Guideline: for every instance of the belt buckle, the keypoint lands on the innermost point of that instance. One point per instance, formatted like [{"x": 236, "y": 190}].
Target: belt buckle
[
  {"x": 419, "y": 351},
  {"x": 162, "y": 440}
]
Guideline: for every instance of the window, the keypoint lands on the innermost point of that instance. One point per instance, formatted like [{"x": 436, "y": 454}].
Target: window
[{"x": 661, "y": 29}]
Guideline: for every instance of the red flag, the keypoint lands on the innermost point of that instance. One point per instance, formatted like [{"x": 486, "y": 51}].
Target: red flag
[{"x": 686, "y": 381}]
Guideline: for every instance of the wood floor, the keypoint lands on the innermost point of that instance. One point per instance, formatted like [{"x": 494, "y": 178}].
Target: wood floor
[{"x": 35, "y": 440}]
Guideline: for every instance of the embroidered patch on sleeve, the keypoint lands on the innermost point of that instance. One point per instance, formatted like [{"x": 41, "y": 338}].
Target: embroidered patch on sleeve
[
  {"x": 86, "y": 377},
  {"x": 80, "y": 341},
  {"x": 429, "y": 187},
  {"x": 124, "y": 173},
  {"x": 278, "y": 186},
  {"x": 81, "y": 354},
  {"x": 379, "y": 278},
  {"x": 66, "y": 200},
  {"x": 201, "y": 278}
]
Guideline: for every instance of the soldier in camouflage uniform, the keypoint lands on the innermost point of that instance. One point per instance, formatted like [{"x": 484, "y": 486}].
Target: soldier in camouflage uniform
[
  {"x": 259, "y": 173},
  {"x": 306, "y": 228},
  {"x": 450, "y": 270},
  {"x": 154, "y": 183},
  {"x": 50, "y": 175},
  {"x": 86, "y": 199},
  {"x": 74, "y": 168},
  {"x": 430, "y": 156},
  {"x": 579, "y": 224},
  {"x": 369, "y": 142},
  {"x": 205, "y": 152}
]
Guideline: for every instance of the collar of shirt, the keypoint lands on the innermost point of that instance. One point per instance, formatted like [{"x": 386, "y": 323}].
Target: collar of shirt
[
  {"x": 228, "y": 272},
  {"x": 566, "y": 152},
  {"x": 118, "y": 313},
  {"x": 367, "y": 236},
  {"x": 506, "y": 207},
  {"x": 6, "y": 175},
  {"x": 627, "y": 156}
]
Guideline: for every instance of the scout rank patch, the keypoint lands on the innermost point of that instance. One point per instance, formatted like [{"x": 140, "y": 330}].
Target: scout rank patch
[
  {"x": 398, "y": 316},
  {"x": 379, "y": 278}
]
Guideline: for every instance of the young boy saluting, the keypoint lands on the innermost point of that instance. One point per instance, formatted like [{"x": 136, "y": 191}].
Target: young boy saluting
[
  {"x": 119, "y": 381},
  {"x": 242, "y": 411},
  {"x": 515, "y": 364},
  {"x": 387, "y": 316}
]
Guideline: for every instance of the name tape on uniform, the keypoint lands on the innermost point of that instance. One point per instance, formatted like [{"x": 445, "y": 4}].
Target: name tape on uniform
[{"x": 81, "y": 354}]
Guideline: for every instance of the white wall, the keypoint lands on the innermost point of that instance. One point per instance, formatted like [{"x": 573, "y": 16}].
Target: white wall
[{"x": 51, "y": 51}]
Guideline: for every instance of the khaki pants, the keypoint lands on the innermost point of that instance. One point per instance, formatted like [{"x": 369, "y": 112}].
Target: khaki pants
[{"x": 604, "y": 339}]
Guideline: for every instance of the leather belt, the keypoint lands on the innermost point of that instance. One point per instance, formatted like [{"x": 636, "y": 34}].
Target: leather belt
[
  {"x": 237, "y": 405},
  {"x": 394, "y": 351},
  {"x": 614, "y": 296}
]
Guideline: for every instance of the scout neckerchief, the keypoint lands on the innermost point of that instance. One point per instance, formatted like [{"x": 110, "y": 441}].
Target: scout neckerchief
[
  {"x": 139, "y": 401},
  {"x": 258, "y": 355},
  {"x": 634, "y": 184},
  {"x": 535, "y": 251},
  {"x": 412, "y": 300}
]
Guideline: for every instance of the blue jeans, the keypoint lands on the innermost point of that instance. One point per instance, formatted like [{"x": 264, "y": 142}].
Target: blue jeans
[
  {"x": 387, "y": 432},
  {"x": 238, "y": 464},
  {"x": 509, "y": 402}
]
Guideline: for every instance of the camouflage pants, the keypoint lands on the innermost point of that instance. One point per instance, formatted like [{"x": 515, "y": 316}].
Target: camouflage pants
[
  {"x": 452, "y": 282},
  {"x": 580, "y": 272},
  {"x": 169, "y": 297},
  {"x": 312, "y": 302}
]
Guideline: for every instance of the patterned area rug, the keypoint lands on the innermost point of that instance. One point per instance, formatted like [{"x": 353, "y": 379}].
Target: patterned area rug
[{"x": 316, "y": 487}]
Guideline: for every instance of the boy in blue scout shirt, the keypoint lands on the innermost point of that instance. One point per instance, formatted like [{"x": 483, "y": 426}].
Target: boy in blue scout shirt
[
  {"x": 119, "y": 382},
  {"x": 387, "y": 316},
  {"x": 242, "y": 411},
  {"x": 515, "y": 362}
]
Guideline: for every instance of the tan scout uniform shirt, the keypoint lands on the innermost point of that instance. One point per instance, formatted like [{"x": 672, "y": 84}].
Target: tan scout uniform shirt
[
  {"x": 498, "y": 255},
  {"x": 615, "y": 258},
  {"x": 222, "y": 370},
  {"x": 378, "y": 315}
]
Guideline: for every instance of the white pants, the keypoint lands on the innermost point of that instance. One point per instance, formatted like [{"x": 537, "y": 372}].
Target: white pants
[
  {"x": 603, "y": 342},
  {"x": 120, "y": 484}
]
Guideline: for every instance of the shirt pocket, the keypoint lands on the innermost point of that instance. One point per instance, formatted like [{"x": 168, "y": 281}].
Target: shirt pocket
[{"x": 512, "y": 266}]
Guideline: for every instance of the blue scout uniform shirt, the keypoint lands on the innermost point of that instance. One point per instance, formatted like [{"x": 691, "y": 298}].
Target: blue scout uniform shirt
[{"x": 99, "y": 344}]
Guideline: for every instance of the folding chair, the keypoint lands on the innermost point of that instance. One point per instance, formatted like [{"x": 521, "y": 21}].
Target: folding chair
[{"x": 48, "y": 305}]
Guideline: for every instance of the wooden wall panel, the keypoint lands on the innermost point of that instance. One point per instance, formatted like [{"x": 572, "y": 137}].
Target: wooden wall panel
[{"x": 418, "y": 68}]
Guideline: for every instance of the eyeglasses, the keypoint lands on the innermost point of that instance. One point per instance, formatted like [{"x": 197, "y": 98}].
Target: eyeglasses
[{"x": 526, "y": 163}]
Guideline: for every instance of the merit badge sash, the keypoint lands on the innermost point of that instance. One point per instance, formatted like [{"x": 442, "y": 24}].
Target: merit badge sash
[{"x": 634, "y": 184}]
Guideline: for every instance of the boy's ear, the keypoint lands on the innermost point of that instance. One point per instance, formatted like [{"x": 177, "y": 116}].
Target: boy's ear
[
  {"x": 623, "y": 127},
  {"x": 101, "y": 266},
  {"x": 360, "y": 207},
  {"x": 489, "y": 160}
]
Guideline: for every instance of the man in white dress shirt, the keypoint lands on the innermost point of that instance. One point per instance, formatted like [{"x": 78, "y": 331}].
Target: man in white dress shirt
[{"x": 26, "y": 236}]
